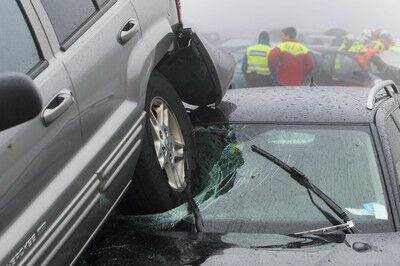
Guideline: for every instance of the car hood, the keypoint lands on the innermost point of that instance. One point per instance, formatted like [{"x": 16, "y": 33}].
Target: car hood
[{"x": 241, "y": 249}]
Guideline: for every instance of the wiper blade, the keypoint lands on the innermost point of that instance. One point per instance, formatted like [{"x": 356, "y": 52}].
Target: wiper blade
[
  {"x": 330, "y": 229},
  {"x": 301, "y": 178}
]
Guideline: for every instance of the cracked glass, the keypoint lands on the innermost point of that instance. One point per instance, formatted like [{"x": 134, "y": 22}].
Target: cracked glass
[{"x": 244, "y": 192}]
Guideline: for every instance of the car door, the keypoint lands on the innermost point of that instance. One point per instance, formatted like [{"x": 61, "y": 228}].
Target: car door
[
  {"x": 34, "y": 156},
  {"x": 347, "y": 71},
  {"x": 94, "y": 40}
]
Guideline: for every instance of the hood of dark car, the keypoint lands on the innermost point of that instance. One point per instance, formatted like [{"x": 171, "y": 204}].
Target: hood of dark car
[{"x": 148, "y": 248}]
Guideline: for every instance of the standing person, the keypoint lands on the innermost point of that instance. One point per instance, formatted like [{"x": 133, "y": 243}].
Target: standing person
[
  {"x": 348, "y": 42},
  {"x": 255, "y": 63},
  {"x": 290, "y": 61},
  {"x": 378, "y": 46}
]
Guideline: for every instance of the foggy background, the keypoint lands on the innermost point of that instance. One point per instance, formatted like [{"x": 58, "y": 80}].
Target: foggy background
[{"x": 248, "y": 17}]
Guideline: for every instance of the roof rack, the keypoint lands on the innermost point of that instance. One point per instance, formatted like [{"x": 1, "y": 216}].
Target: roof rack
[{"x": 379, "y": 86}]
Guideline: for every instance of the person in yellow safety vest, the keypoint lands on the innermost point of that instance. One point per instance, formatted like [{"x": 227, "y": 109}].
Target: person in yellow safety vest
[
  {"x": 358, "y": 48},
  {"x": 377, "y": 46},
  {"x": 384, "y": 42},
  {"x": 348, "y": 42},
  {"x": 255, "y": 63},
  {"x": 362, "y": 46}
]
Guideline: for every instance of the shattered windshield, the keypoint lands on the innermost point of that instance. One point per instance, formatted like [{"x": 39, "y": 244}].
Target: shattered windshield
[
  {"x": 287, "y": 43},
  {"x": 243, "y": 192}
]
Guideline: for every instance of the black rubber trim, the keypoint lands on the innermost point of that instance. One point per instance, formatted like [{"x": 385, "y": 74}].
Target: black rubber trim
[
  {"x": 176, "y": 28},
  {"x": 42, "y": 64},
  {"x": 36, "y": 70},
  {"x": 82, "y": 29}
]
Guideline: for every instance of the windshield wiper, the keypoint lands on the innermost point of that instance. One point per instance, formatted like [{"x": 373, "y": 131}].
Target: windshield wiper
[
  {"x": 330, "y": 229},
  {"x": 301, "y": 178}
]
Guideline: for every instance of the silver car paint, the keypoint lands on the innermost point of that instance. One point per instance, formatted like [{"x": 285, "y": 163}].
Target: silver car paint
[
  {"x": 32, "y": 156},
  {"x": 106, "y": 117},
  {"x": 100, "y": 136},
  {"x": 94, "y": 154}
]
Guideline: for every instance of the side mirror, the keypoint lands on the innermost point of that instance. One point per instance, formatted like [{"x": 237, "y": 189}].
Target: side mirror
[{"x": 19, "y": 100}]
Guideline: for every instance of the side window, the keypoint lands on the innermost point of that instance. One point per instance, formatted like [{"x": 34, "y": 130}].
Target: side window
[
  {"x": 18, "y": 50},
  {"x": 394, "y": 140},
  {"x": 67, "y": 16}
]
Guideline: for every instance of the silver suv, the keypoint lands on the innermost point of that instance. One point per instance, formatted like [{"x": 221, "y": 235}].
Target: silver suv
[{"x": 100, "y": 90}]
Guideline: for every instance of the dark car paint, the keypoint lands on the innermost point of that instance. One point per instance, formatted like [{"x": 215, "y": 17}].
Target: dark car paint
[
  {"x": 296, "y": 105},
  {"x": 314, "y": 105},
  {"x": 177, "y": 248},
  {"x": 384, "y": 110}
]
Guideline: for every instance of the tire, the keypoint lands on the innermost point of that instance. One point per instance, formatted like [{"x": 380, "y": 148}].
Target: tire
[{"x": 151, "y": 191}]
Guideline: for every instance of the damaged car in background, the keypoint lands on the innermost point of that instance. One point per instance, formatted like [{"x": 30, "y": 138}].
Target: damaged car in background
[
  {"x": 291, "y": 181},
  {"x": 91, "y": 95}
]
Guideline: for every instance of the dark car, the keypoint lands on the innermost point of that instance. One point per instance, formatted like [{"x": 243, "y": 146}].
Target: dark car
[
  {"x": 342, "y": 68},
  {"x": 286, "y": 180}
]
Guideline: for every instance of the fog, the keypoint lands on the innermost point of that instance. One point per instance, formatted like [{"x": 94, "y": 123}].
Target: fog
[{"x": 251, "y": 16}]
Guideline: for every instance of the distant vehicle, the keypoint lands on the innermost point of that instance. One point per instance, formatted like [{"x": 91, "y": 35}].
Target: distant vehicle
[
  {"x": 235, "y": 44},
  {"x": 100, "y": 96},
  {"x": 212, "y": 37},
  {"x": 342, "y": 68},
  {"x": 325, "y": 73}
]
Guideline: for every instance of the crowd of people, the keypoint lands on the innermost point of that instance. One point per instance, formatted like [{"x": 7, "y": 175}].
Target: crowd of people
[
  {"x": 285, "y": 65},
  {"x": 369, "y": 44},
  {"x": 289, "y": 63}
]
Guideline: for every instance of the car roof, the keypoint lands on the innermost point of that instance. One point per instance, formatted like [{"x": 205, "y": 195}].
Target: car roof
[{"x": 298, "y": 105}]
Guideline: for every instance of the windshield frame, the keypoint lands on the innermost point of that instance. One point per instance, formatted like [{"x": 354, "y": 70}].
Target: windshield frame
[{"x": 368, "y": 128}]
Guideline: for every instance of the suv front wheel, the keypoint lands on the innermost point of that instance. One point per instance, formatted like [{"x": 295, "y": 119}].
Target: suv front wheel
[{"x": 159, "y": 179}]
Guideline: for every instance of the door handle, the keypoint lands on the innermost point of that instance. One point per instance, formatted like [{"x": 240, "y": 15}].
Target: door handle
[
  {"x": 128, "y": 31},
  {"x": 57, "y": 106}
]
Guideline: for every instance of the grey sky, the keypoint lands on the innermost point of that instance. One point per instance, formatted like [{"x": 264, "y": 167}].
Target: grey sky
[{"x": 246, "y": 15}]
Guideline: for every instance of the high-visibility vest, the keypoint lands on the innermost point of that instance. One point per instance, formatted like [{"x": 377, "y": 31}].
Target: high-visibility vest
[
  {"x": 343, "y": 48},
  {"x": 358, "y": 48},
  {"x": 293, "y": 48},
  {"x": 257, "y": 59},
  {"x": 378, "y": 45}
]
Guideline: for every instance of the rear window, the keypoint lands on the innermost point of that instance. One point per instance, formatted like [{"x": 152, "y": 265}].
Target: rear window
[{"x": 67, "y": 16}]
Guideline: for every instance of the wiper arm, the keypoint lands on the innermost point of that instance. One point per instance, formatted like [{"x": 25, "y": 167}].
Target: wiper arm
[
  {"x": 301, "y": 178},
  {"x": 331, "y": 229},
  {"x": 192, "y": 205}
]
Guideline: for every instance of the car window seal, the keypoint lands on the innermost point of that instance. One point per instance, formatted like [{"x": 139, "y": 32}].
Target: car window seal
[
  {"x": 38, "y": 68},
  {"x": 86, "y": 25}
]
